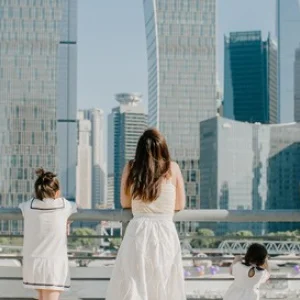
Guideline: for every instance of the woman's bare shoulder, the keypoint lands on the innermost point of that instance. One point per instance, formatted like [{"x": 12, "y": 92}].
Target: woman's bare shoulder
[
  {"x": 174, "y": 166},
  {"x": 174, "y": 169}
]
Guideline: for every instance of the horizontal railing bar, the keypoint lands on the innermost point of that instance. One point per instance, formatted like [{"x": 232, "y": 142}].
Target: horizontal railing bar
[
  {"x": 14, "y": 298},
  {"x": 119, "y": 215},
  {"x": 213, "y": 258},
  {"x": 181, "y": 237},
  {"x": 187, "y": 278},
  {"x": 12, "y": 236}
]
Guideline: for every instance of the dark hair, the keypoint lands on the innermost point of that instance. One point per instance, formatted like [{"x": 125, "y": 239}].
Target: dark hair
[
  {"x": 46, "y": 184},
  {"x": 150, "y": 166},
  {"x": 256, "y": 257}
]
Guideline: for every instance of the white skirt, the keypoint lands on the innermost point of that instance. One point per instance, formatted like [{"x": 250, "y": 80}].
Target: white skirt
[
  {"x": 149, "y": 264},
  {"x": 46, "y": 273}
]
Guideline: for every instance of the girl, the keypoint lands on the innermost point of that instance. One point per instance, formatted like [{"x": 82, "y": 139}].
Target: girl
[
  {"x": 149, "y": 264},
  {"x": 248, "y": 274},
  {"x": 45, "y": 258}
]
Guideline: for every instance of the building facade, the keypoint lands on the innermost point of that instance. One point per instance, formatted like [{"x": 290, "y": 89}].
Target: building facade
[
  {"x": 130, "y": 121},
  {"x": 98, "y": 176},
  {"x": 66, "y": 91},
  {"x": 38, "y": 97},
  {"x": 297, "y": 85},
  {"x": 250, "y": 81},
  {"x": 181, "y": 47},
  {"x": 250, "y": 166},
  {"x": 287, "y": 27},
  {"x": 84, "y": 163},
  {"x": 110, "y": 192}
]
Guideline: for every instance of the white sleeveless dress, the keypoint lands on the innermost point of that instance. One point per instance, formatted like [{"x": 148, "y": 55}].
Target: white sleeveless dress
[
  {"x": 243, "y": 287},
  {"x": 149, "y": 265},
  {"x": 45, "y": 255}
]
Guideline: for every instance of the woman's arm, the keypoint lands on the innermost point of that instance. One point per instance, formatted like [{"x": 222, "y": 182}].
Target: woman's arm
[
  {"x": 125, "y": 198},
  {"x": 237, "y": 259},
  {"x": 266, "y": 266},
  {"x": 180, "y": 190}
]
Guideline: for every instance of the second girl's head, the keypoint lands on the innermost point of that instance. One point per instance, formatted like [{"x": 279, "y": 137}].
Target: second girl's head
[
  {"x": 256, "y": 255},
  {"x": 150, "y": 166},
  {"x": 46, "y": 185}
]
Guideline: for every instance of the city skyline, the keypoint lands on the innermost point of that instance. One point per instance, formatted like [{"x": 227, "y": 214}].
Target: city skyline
[{"x": 100, "y": 66}]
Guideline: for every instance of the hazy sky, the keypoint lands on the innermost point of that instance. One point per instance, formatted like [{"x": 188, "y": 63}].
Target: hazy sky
[{"x": 112, "y": 46}]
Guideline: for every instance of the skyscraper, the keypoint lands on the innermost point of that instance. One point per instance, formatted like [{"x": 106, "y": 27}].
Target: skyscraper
[
  {"x": 66, "y": 89},
  {"x": 98, "y": 176},
  {"x": 288, "y": 28},
  {"x": 37, "y": 97},
  {"x": 84, "y": 163},
  {"x": 129, "y": 122},
  {"x": 297, "y": 85},
  {"x": 250, "y": 78},
  {"x": 181, "y": 47}
]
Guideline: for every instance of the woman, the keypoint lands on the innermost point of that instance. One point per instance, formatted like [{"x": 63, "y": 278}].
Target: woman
[{"x": 149, "y": 266}]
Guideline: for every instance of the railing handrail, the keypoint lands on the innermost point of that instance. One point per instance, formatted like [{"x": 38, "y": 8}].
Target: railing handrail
[{"x": 201, "y": 215}]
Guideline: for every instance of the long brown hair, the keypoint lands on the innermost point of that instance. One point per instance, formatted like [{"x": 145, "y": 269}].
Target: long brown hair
[
  {"x": 150, "y": 166},
  {"x": 46, "y": 185}
]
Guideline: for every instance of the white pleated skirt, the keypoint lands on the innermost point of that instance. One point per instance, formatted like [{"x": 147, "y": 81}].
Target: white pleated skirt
[
  {"x": 149, "y": 264},
  {"x": 46, "y": 273}
]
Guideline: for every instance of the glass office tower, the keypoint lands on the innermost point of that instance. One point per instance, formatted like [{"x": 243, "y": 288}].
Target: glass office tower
[
  {"x": 181, "y": 47},
  {"x": 248, "y": 166},
  {"x": 288, "y": 28},
  {"x": 37, "y": 96},
  {"x": 250, "y": 81}
]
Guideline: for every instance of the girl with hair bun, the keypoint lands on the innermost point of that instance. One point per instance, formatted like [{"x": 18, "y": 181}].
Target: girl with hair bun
[{"x": 45, "y": 257}]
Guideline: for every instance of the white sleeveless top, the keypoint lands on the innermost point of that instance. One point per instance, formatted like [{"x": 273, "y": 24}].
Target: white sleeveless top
[{"x": 164, "y": 204}]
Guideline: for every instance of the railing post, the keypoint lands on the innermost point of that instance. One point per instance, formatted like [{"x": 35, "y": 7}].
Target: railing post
[
  {"x": 124, "y": 220},
  {"x": 124, "y": 226}
]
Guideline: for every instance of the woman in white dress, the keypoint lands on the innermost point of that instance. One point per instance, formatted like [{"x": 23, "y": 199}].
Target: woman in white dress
[
  {"x": 45, "y": 257},
  {"x": 248, "y": 274},
  {"x": 149, "y": 264}
]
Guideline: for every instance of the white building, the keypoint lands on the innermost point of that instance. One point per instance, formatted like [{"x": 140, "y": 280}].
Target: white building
[
  {"x": 110, "y": 142},
  {"x": 98, "y": 168},
  {"x": 84, "y": 165},
  {"x": 110, "y": 192}
]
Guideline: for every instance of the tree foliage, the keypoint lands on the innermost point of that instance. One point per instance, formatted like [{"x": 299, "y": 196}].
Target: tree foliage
[{"x": 79, "y": 240}]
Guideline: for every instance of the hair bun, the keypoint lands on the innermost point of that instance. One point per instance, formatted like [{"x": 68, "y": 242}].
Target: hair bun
[
  {"x": 40, "y": 172},
  {"x": 48, "y": 176}
]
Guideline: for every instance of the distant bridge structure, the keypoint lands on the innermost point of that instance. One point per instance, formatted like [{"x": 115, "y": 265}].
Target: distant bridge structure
[{"x": 273, "y": 247}]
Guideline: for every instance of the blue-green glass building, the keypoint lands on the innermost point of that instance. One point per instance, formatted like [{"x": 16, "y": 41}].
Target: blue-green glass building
[{"x": 250, "y": 78}]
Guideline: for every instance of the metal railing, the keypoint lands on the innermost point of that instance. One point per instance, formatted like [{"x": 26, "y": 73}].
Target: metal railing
[
  {"x": 202, "y": 215},
  {"x": 124, "y": 216}
]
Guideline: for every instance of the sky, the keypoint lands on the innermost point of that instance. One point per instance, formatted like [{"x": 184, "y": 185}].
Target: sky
[{"x": 112, "y": 54}]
